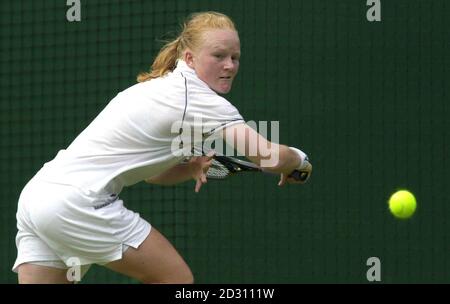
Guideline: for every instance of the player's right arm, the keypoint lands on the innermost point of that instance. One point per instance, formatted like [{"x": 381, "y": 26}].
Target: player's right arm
[{"x": 271, "y": 157}]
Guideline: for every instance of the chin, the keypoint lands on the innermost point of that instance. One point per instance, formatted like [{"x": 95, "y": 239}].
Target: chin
[{"x": 223, "y": 90}]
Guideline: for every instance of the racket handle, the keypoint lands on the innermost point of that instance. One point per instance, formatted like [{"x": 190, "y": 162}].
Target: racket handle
[{"x": 299, "y": 175}]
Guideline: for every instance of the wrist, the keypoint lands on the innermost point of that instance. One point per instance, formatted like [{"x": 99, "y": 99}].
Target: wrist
[{"x": 303, "y": 158}]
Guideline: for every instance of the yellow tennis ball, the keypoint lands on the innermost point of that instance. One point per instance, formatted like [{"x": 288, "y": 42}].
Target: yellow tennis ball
[{"x": 402, "y": 204}]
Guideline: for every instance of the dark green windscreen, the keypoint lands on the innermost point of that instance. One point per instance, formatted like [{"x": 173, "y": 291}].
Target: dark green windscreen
[{"x": 368, "y": 101}]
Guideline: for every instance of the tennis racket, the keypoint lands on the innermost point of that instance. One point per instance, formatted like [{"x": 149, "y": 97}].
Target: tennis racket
[{"x": 224, "y": 166}]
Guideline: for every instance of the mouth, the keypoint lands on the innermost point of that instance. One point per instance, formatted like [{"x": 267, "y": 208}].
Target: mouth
[{"x": 225, "y": 77}]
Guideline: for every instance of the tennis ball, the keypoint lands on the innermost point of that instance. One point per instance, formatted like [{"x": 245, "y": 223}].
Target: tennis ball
[{"x": 402, "y": 204}]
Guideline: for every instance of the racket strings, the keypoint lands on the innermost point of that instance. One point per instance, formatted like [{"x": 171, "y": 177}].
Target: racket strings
[{"x": 217, "y": 170}]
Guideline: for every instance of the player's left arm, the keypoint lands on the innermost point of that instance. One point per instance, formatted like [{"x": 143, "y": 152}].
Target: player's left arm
[{"x": 270, "y": 156}]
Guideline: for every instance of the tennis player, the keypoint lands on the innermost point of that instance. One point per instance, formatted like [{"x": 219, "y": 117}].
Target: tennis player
[{"x": 71, "y": 210}]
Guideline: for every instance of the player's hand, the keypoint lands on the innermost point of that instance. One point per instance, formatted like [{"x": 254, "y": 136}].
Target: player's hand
[
  {"x": 287, "y": 178},
  {"x": 199, "y": 166}
]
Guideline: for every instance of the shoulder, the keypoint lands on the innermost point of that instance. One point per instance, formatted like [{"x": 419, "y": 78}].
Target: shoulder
[{"x": 167, "y": 86}]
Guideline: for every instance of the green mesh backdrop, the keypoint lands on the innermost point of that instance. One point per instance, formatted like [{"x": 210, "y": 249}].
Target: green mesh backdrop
[{"x": 368, "y": 101}]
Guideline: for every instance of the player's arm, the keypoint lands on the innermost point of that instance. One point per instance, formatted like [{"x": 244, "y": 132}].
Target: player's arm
[
  {"x": 270, "y": 156},
  {"x": 175, "y": 175},
  {"x": 195, "y": 168}
]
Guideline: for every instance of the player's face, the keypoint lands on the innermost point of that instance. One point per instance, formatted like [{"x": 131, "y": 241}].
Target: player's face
[{"x": 217, "y": 60}]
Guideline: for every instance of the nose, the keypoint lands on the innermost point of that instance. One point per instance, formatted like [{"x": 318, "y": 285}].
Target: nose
[{"x": 229, "y": 64}]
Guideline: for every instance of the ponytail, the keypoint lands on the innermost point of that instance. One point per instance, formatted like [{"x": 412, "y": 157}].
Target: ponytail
[{"x": 164, "y": 62}]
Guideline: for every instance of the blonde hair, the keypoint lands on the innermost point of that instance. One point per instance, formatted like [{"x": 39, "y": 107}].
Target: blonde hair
[{"x": 190, "y": 37}]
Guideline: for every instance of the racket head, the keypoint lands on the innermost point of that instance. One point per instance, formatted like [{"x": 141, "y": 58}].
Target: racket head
[
  {"x": 223, "y": 166},
  {"x": 217, "y": 171}
]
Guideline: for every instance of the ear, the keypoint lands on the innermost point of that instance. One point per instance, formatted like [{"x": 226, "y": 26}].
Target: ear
[{"x": 189, "y": 58}]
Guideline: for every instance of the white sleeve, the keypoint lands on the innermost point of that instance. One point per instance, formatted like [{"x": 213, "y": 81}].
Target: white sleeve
[{"x": 211, "y": 114}]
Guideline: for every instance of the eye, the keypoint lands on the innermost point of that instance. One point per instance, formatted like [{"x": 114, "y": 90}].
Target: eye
[{"x": 219, "y": 56}]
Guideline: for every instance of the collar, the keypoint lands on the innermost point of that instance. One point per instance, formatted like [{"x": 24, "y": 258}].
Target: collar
[{"x": 183, "y": 67}]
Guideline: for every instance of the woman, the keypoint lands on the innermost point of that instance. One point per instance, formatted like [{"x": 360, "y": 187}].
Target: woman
[{"x": 70, "y": 210}]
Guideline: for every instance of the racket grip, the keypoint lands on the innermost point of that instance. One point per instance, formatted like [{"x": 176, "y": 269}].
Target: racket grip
[{"x": 299, "y": 175}]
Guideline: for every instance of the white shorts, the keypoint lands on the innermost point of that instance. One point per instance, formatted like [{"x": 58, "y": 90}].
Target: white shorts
[{"x": 60, "y": 224}]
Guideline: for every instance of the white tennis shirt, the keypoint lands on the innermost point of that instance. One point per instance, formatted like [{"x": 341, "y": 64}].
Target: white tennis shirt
[{"x": 132, "y": 138}]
